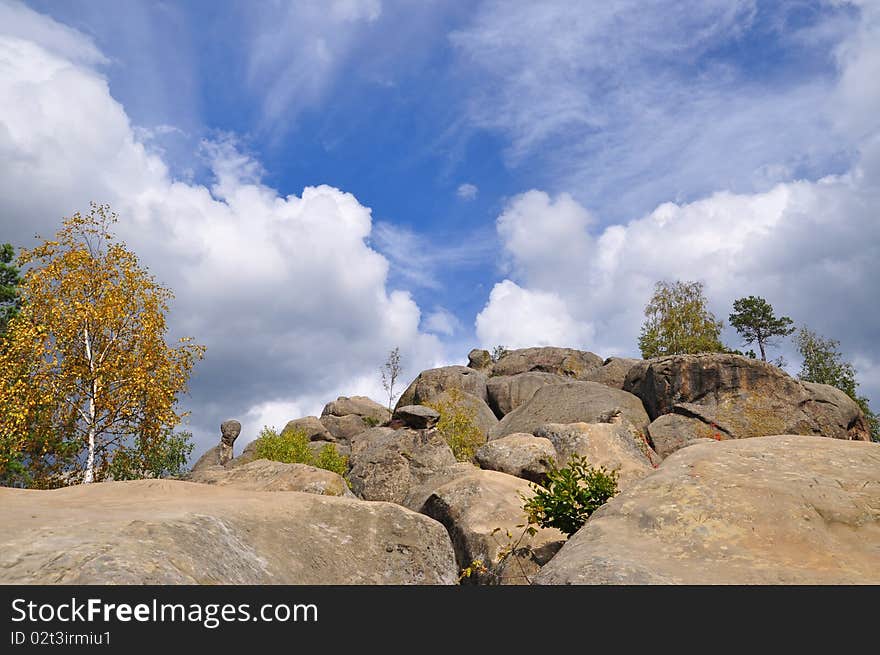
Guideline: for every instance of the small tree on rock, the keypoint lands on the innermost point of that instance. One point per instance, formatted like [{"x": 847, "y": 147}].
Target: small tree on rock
[
  {"x": 679, "y": 322},
  {"x": 823, "y": 363},
  {"x": 391, "y": 371},
  {"x": 754, "y": 319}
]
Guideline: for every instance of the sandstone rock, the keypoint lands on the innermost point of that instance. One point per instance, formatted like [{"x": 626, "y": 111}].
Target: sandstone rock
[
  {"x": 741, "y": 397},
  {"x": 248, "y": 454},
  {"x": 313, "y": 428},
  {"x": 480, "y": 360},
  {"x": 507, "y": 392},
  {"x": 473, "y": 506},
  {"x": 522, "y": 455},
  {"x": 670, "y": 432},
  {"x": 386, "y": 464},
  {"x": 229, "y": 431},
  {"x": 571, "y": 402},
  {"x": 265, "y": 475},
  {"x": 417, "y": 417},
  {"x": 787, "y": 509},
  {"x": 431, "y": 383},
  {"x": 612, "y": 445},
  {"x": 561, "y": 361},
  {"x": 613, "y": 372},
  {"x": 210, "y": 459},
  {"x": 345, "y": 428},
  {"x": 174, "y": 532},
  {"x": 375, "y": 413},
  {"x": 420, "y": 492}
]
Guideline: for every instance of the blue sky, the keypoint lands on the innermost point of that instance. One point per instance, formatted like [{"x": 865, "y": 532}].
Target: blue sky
[{"x": 531, "y": 169}]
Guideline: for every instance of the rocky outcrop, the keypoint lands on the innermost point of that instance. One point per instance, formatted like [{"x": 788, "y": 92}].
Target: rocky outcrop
[
  {"x": 420, "y": 491},
  {"x": 788, "y": 509},
  {"x": 572, "y": 402},
  {"x": 229, "y": 431},
  {"x": 417, "y": 417},
  {"x": 478, "y": 510},
  {"x": 311, "y": 426},
  {"x": 361, "y": 406},
  {"x": 433, "y": 382},
  {"x": 522, "y": 455},
  {"x": 616, "y": 446},
  {"x": 480, "y": 360},
  {"x": 737, "y": 397},
  {"x": 386, "y": 464},
  {"x": 507, "y": 392},
  {"x": 567, "y": 362},
  {"x": 266, "y": 475},
  {"x": 174, "y": 532},
  {"x": 345, "y": 428},
  {"x": 613, "y": 371}
]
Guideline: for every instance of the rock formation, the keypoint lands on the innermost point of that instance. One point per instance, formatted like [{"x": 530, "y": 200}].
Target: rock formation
[{"x": 787, "y": 509}]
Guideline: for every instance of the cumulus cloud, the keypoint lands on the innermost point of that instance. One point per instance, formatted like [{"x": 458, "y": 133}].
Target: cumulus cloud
[
  {"x": 442, "y": 321},
  {"x": 629, "y": 104},
  {"x": 467, "y": 191},
  {"x": 290, "y": 300},
  {"x": 808, "y": 243}
]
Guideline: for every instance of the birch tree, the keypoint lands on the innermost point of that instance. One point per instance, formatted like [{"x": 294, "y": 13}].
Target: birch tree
[
  {"x": 86, "y": 370},
  {"x": 678, "y": 322}
]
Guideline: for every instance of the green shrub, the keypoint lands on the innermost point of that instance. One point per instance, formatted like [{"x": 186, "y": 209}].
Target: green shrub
[
  {"x": 329, "y": 458},
  {"x": 570, "y": 495},
  {"x": 292, "y": 447},
  {"x": 458, "y": 426},
  {"x": 164, "y": 456}
]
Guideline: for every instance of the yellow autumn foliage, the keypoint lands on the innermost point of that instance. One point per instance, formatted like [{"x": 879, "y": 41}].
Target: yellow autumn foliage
[{"x": 84, "y": 367}]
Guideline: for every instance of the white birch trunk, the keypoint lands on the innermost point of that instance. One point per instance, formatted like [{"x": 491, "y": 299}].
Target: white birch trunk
[{"x": 89, "y": 475}]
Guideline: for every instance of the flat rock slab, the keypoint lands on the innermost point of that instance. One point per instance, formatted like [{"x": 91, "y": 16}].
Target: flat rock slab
[
  {"x": 417, "y": 417},
  {"x": 266, "y": 475},
  {"x": 787, "y": 509},
  {"x": 174, "y": 532}
]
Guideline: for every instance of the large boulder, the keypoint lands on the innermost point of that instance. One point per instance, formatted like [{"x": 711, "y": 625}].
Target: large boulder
[
  {"x": 613, "y": 371},
  {"x": 174, "y": 532},
  {"x": 311, "y": 426},
  {"x": 386, "y": 464},
  {"x": 740, "y": 397},
  {"x": 572, "y": 402},
  {"x": 616, "y": 446},
  {"x": 266, "y": 475},
  {"x": 567, "y": 362},
  {"x": 787, "y": 509},
  {"x": 522, "y": 455},
  {"x": 670, "y": 432},
  {"x": 345, "y": 428},
  {"x": 433, "y": 382},
  {"x": 478, "y": 510},
  {"x": 420, "y": 492},
  {"x": 374, "y": 413},
  {"x": 507, "y": 392},
  {"x": 481, "y": 360}
]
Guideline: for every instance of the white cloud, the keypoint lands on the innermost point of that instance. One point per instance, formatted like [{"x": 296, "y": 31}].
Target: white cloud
[
  {"x": 285, "y": 292},
  {"x": 628, "y": 104},
  {"x": 467, "y": 191},
  {"x": 442, "y": 321},
  {"x": 516, "y": 317}
]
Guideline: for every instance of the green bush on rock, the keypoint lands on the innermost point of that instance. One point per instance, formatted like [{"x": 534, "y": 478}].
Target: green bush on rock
[{"x": 292, "y": 447}]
